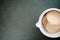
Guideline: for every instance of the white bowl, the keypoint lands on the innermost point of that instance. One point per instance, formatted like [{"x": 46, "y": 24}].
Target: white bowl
[{"x": 40, "y": 25}]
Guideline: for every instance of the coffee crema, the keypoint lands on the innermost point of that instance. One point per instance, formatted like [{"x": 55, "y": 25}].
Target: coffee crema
[{"x": 51, "y": 21}]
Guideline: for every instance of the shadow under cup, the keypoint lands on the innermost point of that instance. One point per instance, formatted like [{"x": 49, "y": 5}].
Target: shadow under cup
[{"x": 41, "y": 26}]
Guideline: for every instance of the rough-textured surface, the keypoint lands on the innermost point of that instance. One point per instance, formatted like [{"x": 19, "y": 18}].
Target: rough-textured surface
[{"x": 18, "y": 18}]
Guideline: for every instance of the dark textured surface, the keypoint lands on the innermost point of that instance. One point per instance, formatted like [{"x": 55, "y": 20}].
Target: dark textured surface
[{"x": 18, "y": 18}]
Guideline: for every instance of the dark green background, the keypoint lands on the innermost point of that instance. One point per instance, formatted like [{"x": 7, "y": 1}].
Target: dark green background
[{"x": 18, "y": 18}]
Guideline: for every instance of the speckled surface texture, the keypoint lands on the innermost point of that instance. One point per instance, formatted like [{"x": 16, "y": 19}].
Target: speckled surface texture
[{"x": 18, "y": 18}]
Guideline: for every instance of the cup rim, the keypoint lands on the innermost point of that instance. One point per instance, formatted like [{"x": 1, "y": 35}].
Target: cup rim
[{"x": 40, "y": 26}]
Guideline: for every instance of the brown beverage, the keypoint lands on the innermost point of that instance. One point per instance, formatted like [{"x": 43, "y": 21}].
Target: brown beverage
[{"x": 51, "y": 21}]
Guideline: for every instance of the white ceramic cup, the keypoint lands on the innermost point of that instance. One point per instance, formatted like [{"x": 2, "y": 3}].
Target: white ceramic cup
[{"x": 40, "y": 25}]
